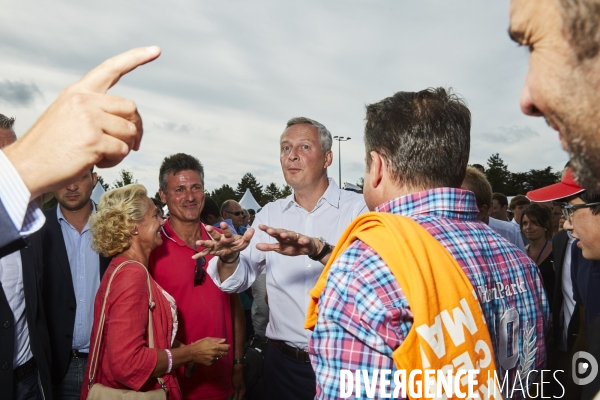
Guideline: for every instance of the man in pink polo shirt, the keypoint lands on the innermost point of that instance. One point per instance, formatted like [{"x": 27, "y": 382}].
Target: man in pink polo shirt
[{"x": 203, "y": 309}]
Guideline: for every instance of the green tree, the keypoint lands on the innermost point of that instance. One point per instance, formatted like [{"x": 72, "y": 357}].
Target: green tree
[
  {"x": 249, "y": 182},
  {"x": 498, "y": 175},
  {"x": 286, "y": 190},
  {"x": 538, "y": 178},
  {"x": 271, "y": 193},
  {"x": 223, "y": 193},
  {"x": 126, "y": 178},
  {"x": 104, "y": 185}
]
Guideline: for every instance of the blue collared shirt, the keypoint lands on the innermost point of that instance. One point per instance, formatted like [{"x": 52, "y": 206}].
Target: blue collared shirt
[{"x": 85, "y": 272}]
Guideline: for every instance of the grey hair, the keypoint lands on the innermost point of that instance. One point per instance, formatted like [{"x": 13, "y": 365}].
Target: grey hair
[
  {"x": 324, "y": 134},
  {"x": 5, "y": 122},
  {"x": 177, "y": 163}
]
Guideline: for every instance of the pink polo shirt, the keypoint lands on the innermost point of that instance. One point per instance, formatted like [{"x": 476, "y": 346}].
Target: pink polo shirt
[{"x": 203, "y": 311}]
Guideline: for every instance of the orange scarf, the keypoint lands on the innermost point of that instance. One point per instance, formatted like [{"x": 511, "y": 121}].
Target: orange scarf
[{"x": 449, "y": 329}]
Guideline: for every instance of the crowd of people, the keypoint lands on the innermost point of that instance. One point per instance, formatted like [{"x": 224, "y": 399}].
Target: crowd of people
[{"x": 425, "y": 270}]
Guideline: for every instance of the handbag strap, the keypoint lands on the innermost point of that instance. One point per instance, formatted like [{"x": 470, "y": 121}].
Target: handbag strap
[{"x": 98, "y": 339}]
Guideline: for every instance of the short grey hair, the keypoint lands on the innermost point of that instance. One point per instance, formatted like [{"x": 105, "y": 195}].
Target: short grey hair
[
  {"x": 324, "y": 134},
  {"x": 177, "y": 163},
  {"x": 6, "y": 122}
]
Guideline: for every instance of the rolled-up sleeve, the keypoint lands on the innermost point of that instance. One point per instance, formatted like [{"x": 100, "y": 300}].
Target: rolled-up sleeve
[{"x": 130, "y": 359}]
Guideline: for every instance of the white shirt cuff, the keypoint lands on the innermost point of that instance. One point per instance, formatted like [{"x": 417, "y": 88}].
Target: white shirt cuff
[
  {"x": 231, "y": 284},
  {"x": 25, "y": 215}
]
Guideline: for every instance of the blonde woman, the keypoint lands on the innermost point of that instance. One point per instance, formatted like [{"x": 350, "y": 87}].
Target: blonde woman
[{"x": 127, "y": 226}]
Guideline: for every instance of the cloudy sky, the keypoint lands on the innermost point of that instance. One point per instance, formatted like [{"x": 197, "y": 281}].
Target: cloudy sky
[{"x": 233, "y": 72}]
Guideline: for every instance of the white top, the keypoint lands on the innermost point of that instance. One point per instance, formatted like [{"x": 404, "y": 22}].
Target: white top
[
  {"x": 289, "y": 279},
  {"x": 509, "y": 231},
  {"x": 11, "y": 278},
  {"x": 567, "y": 290}
]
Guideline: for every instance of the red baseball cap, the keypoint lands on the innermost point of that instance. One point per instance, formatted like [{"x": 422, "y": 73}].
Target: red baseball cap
[{"x": 565, "y": 188}]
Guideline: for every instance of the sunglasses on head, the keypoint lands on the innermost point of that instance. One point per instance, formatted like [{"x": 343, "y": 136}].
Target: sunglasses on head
[
  {"x": 199, "y": 272},
  {"x": 237, "y": 213}
]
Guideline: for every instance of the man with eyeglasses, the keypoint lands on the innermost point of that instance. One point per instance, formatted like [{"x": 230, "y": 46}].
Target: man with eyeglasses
[
  {"x": 578, "y": 273},
  {"x": 231, "y": 209},
  {"x": 203, "y": 309}
]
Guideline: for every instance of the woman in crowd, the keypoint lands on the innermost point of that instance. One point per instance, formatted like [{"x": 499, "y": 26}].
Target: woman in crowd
[
  {"x": 536, "y": 224},
  {"x": 127, "y": 226}
]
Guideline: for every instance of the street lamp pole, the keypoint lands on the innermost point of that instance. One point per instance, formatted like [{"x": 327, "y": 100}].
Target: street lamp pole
[{"x": 340, "y": 139}]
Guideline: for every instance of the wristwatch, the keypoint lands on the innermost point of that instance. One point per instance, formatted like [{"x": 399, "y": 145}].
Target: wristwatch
[
  {"x": 241, "y": 361},
  {"x": 327, "y": 248}
]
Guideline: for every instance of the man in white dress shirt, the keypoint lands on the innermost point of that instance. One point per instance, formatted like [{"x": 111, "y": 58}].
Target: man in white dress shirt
[
  {"x": 321, "y": 211},
  {"x": 477, "y": 183}
]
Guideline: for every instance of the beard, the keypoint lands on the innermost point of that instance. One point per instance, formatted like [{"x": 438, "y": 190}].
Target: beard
[
  {"x": 580, "y": 126},
  {"x": 585, "y": 162}
]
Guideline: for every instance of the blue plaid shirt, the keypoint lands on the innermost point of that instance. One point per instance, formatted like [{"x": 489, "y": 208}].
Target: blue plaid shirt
[{"x": 364, "y": 315}]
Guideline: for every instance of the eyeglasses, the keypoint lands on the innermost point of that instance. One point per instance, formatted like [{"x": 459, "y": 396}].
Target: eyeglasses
[
  {"x": 569, "y": 209},
  {"x": 237, "y": 213},
  {"x": 200, "y": 273}
]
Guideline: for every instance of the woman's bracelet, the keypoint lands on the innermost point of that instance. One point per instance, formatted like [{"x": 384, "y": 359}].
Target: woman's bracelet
[
  {"x": 232, "y": 261},
  {"x": 170, "y": 357}
]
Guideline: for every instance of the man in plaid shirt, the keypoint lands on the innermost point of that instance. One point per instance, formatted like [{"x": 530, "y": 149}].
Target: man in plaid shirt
[{"x": 417, "y": 151}]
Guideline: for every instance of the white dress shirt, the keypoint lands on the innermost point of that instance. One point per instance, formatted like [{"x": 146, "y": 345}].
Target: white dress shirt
[
  {"x": 509, "y": 231},
  {"x": 11, "y": 278},
  {"x": 289, "y": 279},
  {"x": 25, "y": 215}
]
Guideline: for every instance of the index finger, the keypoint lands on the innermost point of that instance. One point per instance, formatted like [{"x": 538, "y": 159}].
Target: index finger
[{"x": 107, "y": 74}]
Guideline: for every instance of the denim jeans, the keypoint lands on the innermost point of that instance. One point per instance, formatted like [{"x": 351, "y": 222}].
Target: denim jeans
[
  {"x": 29, "y": 388},
  {"x": 70, "y": 387}
]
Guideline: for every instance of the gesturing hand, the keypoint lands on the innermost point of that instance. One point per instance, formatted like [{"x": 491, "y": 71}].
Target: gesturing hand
[
  {"x": 209, "y": 350},
  {"x": 289, "y": 243},
  {"x": 83, "y": 127},
  {"x": 225, "y": 245}
]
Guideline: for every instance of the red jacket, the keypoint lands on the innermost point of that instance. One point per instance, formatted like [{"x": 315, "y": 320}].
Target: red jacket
[{"x": 125, "y": 361}]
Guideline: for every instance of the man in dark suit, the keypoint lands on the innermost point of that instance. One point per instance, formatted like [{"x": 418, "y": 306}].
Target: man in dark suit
[
  {"x": 565, "y": 312},
  {"x": 72, "y": 273},
  {"x": 24, "y": 342}
]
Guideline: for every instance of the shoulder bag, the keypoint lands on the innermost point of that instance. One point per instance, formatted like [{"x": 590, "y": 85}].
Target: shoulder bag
[{"x": 101, "y": 392}]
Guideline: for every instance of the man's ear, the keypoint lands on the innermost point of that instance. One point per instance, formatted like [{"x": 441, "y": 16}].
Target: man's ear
[
  {"x": 483, "y": 212},
  {"x": 377, "y": 170},
  {"x": 94, "y": 179},
  {"x": 328, "y": 159},
  {"x": 162, "y": 196}
]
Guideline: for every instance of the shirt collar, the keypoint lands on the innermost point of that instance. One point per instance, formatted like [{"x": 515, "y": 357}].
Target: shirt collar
[
  {"x": 332, "y": 196},
  {"x": 442, "y": 202},
  {"x": 61, "y": 217},
  {"x": 170, "y": 234}
]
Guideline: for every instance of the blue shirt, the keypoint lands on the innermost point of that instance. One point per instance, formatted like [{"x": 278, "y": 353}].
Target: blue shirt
[
  {"x": 229, "y": 223},
  {"x": 85, "y": 272}
]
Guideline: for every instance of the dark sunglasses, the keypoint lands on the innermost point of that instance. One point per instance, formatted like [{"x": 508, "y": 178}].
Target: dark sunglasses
[
  {"x": 200, "y": 273},
  {"x": 569, "y": 209},
  {"x": 237, "y": 213}
]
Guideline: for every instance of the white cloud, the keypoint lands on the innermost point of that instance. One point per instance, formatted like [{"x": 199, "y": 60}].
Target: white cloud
[{"x": 232, "y": 73}]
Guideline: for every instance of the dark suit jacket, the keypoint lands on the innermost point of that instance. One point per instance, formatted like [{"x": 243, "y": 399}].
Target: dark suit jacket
[
  {"x": 10, "y": 238},
  {"x": 559, "y": 248},
  {"x": 59, "y": 295},
  {"x": 39, "y": 342}
]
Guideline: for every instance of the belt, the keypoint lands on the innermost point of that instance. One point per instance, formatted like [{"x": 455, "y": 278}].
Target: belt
[
  {"x": 77, "y": 354},
  {"x": 24, "y": 370},
  {"x": 291, "y": 351}
]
